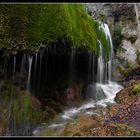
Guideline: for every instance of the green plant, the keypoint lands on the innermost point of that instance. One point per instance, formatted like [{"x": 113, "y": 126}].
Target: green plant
[
  {"x": 136, "y": 88},
  {"x": 125, "y": 71},
  {"x": 102, "y": 37},
  {"x": 117, "y": 37},
  {"x": 138, "y": 57},
  {"x": 24, "y": 111}
]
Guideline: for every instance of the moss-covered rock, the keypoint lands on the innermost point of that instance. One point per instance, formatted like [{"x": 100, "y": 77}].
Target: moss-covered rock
[
  {"x": 102, "y": 37},
  {"x": 95, "y": 126},
  {"x": 18, "y": 110},
  {"x": 138, "y": 57},
  {"x": 136, "y": 88},
  {"x": 26, "y": 26}
]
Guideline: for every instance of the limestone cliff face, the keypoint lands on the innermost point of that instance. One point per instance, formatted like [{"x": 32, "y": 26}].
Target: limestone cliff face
[{"x": 124, "y": 23}]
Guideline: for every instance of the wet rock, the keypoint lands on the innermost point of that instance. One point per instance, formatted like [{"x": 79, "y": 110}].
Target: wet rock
[
  {"x": 72, "y": 95},
  {"x": 95, "y": 126},
  {"x": 94, "y": 92},
  {"x": 19, "y": 110}
]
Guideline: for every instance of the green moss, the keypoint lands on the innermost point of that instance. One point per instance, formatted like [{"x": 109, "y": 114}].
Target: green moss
[
  {"x": 138, "y": 57},
  {"x": 69, "y": 21},
  {"x": 136, "y": 88},
  {"x": 102, "y": 37},
  {"x": 77, "y": 134},
  {"x": 23, "y": 111},
  {"x": 117, "y": 37},
  {"x": 125, "y": 71},
  {"x": 32, "y": 24},
  {"x": 118, "y": 100}
]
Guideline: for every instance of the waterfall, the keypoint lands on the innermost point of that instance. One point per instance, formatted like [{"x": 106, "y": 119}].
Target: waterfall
[
  {"x": 40, "y": 69},
  {"x": 11, "y": 123},
  {"x": 99, "y": 93},
  {"x": 35, "y": 73},
  {"x": 89, "y": 66},
  {"x": 72, "y": 66},
  {"x": 29, "y": 73},
  {"x": 106, "y": 30},
  {"x": 47, "y": 62},
  {"x": 4, "y": 66},
  {"x": 137, "y": 14},
  {"x": 22, "y": 64},
  {"x": 101, "y": 65}
]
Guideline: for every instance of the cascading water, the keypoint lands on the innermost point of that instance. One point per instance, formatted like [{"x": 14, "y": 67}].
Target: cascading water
[
  {"x": 22, "y": 64},
  {"x": 99, "y": 93},
  {"x": 11, "y": 123},
  {"x": 40, "y": 68},
  {"x": 72, "y": 66},
  {"x": 35, "y": 72},
  {"x": 101, "y": 65},
  {"x": 106, "y": 30},
  {"x": 89, "y": 66},
  {"x": 29, "y": 73},
  {"x": 5, "y": 61}
]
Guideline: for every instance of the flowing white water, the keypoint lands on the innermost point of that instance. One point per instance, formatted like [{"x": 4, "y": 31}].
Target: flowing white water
[
  {"x": 89, "y": 66},
  {"x": 23, "y": 64},
  {"x": 100, "y": 94},
  {"x": 109, "y": 90},
  {"x": 101, "y": 65},
  {"x": 35, "y": 72},
  {"x": 93, "y": 65},
  {"x": 106, "y": 30},
  {"x": 29, "y": 73}
]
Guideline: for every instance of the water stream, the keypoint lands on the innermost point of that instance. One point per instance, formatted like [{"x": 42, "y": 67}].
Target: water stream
[
  {"x": 100, "y": 93},
  {"x": 29, "y": 73}
]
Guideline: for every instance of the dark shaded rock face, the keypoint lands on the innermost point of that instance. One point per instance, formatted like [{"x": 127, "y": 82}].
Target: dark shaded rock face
[{"x": 19, "y": 110}]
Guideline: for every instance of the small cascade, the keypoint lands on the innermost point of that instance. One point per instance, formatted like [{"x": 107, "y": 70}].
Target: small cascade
[
  {"x": 29, "y": 72},
  {"x": 101, "y": 65},
  {"x": 54, "y": 51},
  {"x": 89, "y": 66},
  {"x": 93, "y": 69},
  {"x": 35, "y": 72},
  {"x": 40, "y": 69},
  {"x": 11, "y": 123},
  {"x": 47, "y": 53},
  {"x": 111, "y": 55},
  {"x": 48, "y": 66},
  {"x": 72, "y": 66},
  {"x": 22, "y": 64},
  {"x": 5, "y": 62}
]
